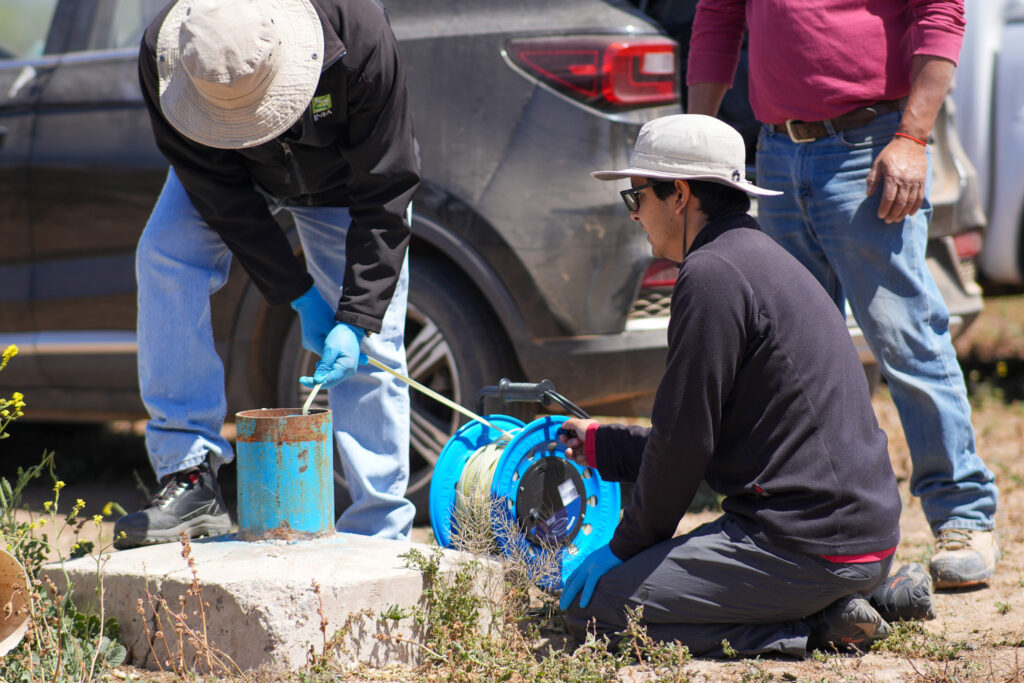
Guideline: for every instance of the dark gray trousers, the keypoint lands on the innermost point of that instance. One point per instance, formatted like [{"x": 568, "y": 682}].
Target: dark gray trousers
[{"x": 716, "y": 583}]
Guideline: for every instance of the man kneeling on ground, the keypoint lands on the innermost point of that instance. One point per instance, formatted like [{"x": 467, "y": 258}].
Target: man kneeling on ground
[{"x": 765, "y": 398}]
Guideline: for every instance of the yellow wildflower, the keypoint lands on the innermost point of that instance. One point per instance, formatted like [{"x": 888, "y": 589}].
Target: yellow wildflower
[
  {"x": 59, "y": 485},
  {"x": 98, "y": 519},
  {"x": 48, "y": 505},
  {"x": 9, "y": 353},
  {"x": 1001, "y": 369},
  {"x": 108, "y": 509}
]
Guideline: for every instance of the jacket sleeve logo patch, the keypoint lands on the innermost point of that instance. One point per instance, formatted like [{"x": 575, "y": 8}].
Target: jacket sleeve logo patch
[{"x": 321, "y": 105}]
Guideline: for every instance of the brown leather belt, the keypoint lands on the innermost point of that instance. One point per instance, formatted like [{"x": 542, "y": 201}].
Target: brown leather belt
[{"x": 808, "y": 131}]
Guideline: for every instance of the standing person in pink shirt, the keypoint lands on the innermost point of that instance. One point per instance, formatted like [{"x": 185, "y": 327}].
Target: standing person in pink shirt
[{"x": 848, "y": 92}]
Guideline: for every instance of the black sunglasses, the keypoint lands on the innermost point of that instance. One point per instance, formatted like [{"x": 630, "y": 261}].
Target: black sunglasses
[{"x": 631, "y": 197}]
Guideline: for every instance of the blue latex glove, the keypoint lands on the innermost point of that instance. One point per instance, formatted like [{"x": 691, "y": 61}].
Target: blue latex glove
[
  {"x": 586, "y": 575},
  {"x": 340, "y": 357},
  {"x": 316, "y": 318}
]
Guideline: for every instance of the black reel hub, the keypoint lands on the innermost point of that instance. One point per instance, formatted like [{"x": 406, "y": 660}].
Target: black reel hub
[{"x": 550, "y": 502}]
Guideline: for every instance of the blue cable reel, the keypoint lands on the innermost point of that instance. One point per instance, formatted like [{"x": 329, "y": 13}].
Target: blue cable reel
[{"x": 541, "y": 503}]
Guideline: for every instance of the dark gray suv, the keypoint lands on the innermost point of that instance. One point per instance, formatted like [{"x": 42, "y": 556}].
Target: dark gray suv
[{"x": 522, "y": 265}]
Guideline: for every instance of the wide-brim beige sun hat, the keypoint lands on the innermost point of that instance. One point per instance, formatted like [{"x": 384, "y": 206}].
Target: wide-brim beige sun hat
[
  {"x": 237, "y": 73},
  {"x": 689, "y": 147}
]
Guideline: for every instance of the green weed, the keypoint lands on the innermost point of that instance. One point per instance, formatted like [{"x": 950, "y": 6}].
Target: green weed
[
  {"x": 61, "y": 643},
  {"x": 912, "y": 640}
]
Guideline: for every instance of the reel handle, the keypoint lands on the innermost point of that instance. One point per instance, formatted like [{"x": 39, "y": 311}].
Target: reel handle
[
  {"x": 519, "y": 392},
  {"x": 542, "y": 392}
]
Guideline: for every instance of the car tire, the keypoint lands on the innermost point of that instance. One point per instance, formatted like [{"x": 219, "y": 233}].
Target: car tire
[
  {"x": 873, "y": 373},
  {"x": 454, "y": 345}
]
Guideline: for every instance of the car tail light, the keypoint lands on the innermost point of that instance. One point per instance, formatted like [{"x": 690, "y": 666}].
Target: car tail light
[
  {"x": 660, "y": 274},
  {"x": 611, "y": 72},
  {"x": 968, "y": 244}
]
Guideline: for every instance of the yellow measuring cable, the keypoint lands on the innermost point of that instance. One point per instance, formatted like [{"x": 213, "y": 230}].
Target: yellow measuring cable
[
  {"x": 473, "y": 489},
  {"x": 436, "y": 396}
]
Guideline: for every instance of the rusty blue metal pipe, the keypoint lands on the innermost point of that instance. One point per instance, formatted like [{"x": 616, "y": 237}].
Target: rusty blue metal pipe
[{"x": 285, "y": 474}]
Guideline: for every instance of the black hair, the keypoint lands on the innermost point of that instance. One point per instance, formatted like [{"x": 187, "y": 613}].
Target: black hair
[
  {"x": 716, "y": 200},
  {"x": 663, "y": 189}
]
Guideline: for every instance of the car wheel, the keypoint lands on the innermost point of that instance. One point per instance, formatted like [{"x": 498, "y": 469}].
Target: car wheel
[
  {"x": 454, "y": 346},
  {"x": 874, "y": 376}
]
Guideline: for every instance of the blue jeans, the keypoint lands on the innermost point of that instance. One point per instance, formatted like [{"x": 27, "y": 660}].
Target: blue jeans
[
  {"x": 180, "y": 262},
  {"x": 827, "y": 222}
]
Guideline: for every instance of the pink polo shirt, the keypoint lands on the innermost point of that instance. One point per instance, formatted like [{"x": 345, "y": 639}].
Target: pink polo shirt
[{"x": 816, "y": 59}]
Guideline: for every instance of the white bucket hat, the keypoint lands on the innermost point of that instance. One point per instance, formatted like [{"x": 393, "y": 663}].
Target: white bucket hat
[
  {"x": 236, "y": 73},
  {"x": 689, "y": 147}
]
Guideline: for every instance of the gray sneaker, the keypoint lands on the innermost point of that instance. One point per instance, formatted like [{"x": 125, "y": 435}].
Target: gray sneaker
[
  {"x": 188, "y": 501},
  {"x": 906, "y": 594},
  {"x": 963, "y": 557},
  {"x": 847, "y": 623}
]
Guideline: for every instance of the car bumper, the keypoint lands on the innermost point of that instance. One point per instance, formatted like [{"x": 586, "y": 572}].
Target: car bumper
[{"x": 601, "y": 370}]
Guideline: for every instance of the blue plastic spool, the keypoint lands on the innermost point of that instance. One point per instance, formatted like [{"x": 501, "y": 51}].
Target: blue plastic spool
[
  {"x": 285, "y": 474},
  {"x": 578, "y": 515}
]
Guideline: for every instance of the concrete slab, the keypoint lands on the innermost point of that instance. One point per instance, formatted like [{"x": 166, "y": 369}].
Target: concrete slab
[{"x": 263, "y": 608}]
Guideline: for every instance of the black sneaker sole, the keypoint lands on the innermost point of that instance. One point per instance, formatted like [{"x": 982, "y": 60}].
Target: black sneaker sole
[{"x": 204, "y": 525}]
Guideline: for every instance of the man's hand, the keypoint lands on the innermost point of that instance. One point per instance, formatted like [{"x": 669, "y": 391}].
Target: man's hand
[
  {"x": 316, "y": 317},
  {"x": 901, "y": 168},
  {"x": 586, "y": 576},
  {"x": 340, "y": 357},
  {"x": 573, "y": 434}
]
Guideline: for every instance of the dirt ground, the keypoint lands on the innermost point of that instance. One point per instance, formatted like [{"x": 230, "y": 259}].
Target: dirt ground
[{"x": 979, "y": 633}]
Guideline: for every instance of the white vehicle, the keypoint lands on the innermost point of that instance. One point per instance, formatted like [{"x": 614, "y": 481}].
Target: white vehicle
[{"x": 989, "y": 94}]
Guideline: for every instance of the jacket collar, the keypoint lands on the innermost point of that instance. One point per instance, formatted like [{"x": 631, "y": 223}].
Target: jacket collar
[
  {"x": 334, "y": 48},
  {"x": 721, "y": 225}
]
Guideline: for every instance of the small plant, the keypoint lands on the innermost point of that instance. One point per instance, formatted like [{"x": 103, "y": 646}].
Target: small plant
[
  {"x": 1002, "y": 607},
  {"x": 10, "y": 408},
  {"x": 911, "y": 639},
  {"x": 324, "y": 663},
  {"x": 189, "y": 651},
  {"x": 756, "y": 673},
  {"x": 649, "y": 653},
  {"x": 61, "y": 643}
]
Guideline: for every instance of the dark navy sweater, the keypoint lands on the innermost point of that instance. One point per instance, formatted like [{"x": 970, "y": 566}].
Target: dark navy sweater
[{"x": 765, "y": 397}]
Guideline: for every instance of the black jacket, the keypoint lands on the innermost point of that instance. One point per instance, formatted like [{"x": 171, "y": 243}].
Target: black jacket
[
  {"x": 763, "y": 395},
  {"x": 360, "y": 154}
]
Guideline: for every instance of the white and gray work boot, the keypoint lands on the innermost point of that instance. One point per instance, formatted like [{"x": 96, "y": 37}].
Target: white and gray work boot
[{"x": 963, "y": 557}]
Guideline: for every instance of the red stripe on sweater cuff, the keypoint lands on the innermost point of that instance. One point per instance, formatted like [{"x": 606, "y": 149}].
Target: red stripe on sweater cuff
[{"x": 590, "y": 445}]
